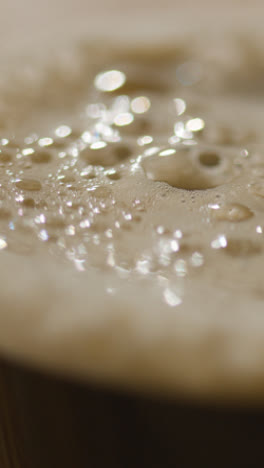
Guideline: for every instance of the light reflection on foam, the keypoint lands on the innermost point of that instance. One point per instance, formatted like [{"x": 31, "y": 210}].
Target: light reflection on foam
[
  {"x": 180, "y": 267},
  {"x": 181, "y": 131},
  {"x": 167, "y": 152},
  {"x": 220, "y": 242},
  {"x": 140, "y": 105},
  {"x": 98, "y": 145},
  {"x": 95, "y": 226},
  {"x": 45, "y": 141},
  {"x": 195, "y": 125},
  {"x": 3, "y": 244},
  {"x": 110, "y": 80},
  {"x": 27, "y": 151},
  {"x": 43, "y": 235},
  {"x": 145, "y": 140},
  {"x": 123, "y": 119},
  {"x": 197, "y": 259},
  {"x": 171, "y": 298},
  {"x": 180, "y": 106},
  {"x": 63, "y": 131}
]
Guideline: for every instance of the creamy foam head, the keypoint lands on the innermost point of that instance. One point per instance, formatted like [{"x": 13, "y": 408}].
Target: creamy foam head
[{"x": 131, "y": 229}]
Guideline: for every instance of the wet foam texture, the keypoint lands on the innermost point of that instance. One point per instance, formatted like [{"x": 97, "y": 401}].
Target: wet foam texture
[{"x": 131, "y": 215}]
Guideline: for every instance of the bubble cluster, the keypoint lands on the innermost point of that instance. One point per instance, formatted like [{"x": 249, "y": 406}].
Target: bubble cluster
[
  {"x": 140, "y": 178},
  {"x": 234, "y": 212}
]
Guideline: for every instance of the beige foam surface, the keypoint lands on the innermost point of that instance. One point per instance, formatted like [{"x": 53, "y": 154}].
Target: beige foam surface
[{"x": 128, "y": 260}]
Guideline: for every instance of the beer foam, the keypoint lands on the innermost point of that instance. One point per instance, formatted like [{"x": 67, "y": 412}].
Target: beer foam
[{"x": 131, "y": 215}]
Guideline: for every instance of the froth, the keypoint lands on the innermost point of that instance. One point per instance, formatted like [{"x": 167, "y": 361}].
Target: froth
[{"x": 128, "y": 172}]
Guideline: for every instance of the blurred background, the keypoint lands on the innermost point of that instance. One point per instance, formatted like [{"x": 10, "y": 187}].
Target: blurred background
[{"x": 30, "y": 20}]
